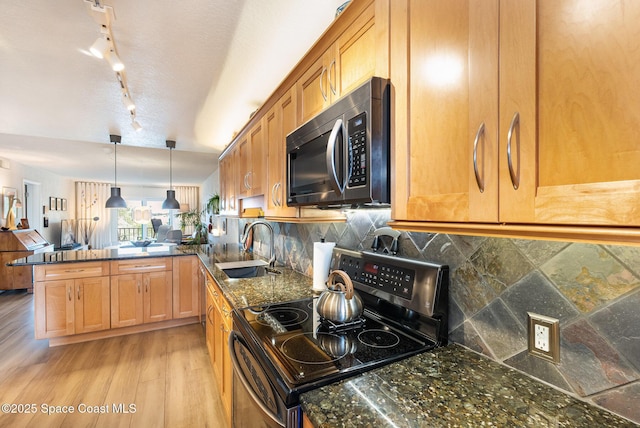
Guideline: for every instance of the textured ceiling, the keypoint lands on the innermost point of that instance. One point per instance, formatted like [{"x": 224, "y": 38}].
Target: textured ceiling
[{"x": 195, "y": 69}]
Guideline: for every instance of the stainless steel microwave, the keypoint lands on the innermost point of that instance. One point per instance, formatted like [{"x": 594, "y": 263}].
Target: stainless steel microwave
[{"x": 341, "y": 156}]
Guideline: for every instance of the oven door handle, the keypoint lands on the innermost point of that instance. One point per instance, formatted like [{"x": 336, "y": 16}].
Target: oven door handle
[
  {"x": 233, "y": 336},
  {"x": 330, "y": 157}
]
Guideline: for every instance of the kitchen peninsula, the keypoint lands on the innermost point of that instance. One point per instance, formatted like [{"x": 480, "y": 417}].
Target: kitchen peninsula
[{"x": 92, "y": 294}]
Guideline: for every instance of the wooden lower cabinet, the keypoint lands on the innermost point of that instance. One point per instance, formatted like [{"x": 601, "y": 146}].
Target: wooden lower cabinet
[
  {"x": 71, "y": 306},
  {"x": 91, "y": 307},
  {"x": 186, "y": 287},
  {"x": 72, "y": 299},
  {"x": 218, "y": 328},
  {"x": 141, "y": 298}
]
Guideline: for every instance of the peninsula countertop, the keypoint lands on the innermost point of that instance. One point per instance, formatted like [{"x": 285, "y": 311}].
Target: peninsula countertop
[{"x": 121, "y": 253}]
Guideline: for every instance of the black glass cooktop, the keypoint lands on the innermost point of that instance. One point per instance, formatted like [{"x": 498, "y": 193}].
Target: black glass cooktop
[{"x": 306, "y": 350}]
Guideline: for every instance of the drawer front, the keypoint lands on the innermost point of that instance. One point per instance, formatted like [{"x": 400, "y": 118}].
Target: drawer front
[
  {"x": 156, "y": 264},
  {"x": 61, "y": 271}
]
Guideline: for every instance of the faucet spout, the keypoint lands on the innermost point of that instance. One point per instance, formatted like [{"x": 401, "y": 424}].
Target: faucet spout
[{"x": 272, "y": 253}]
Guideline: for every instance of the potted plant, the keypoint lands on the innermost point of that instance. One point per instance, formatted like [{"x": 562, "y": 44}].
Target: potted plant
[
  {"x": 194, "y": 218},
  {"x": 213, "y": 204}
]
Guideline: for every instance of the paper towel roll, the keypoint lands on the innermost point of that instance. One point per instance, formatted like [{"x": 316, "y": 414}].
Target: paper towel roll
[{"x": 321, "y": 261}]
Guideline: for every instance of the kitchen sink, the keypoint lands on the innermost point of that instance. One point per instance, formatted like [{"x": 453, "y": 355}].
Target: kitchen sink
[{"x": 246, "y": 269}]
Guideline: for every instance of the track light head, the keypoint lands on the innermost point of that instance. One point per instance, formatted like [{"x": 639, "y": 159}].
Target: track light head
[
  {"x": 99, "y": 47},
  {"x": 114, "y": 61}
]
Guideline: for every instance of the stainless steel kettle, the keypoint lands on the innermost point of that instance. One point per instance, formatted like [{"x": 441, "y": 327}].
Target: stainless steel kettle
[{"x": 339, "y": 303}]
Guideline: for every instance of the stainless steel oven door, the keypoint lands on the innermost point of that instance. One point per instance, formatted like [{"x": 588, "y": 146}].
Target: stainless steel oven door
[{"x": 255, "y": 402}]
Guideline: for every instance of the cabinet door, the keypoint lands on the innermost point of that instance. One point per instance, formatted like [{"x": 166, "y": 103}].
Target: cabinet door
[
  {"x": 210, "y": 326},
  {"x": 126, "y": 300},
  {"x": 157, "y": 296},
  {"x": 185, "y": 287},
  {"x": 229, "y": 170},
  {"x": 313, "y": 88},
  {"x": 227, "y": 371},
  {"x": 432, "y": 150},
  {"x": 571, "y": 75},
  {"x": 359, "y": 53},
  {"x": 279, "y": 122},
  {"x": 92, "y": 304},
  {"x": 53, "y": 302},
  {"x": 243, "y": 169},
  {"x": 218, "y": 348}
]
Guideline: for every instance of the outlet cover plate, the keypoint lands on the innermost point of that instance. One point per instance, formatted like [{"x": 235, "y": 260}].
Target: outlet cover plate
[{"x": 553, "y": 325}]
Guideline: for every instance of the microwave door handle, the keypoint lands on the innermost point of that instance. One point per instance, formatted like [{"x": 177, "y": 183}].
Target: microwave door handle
[{"x": 331, "y": 161}]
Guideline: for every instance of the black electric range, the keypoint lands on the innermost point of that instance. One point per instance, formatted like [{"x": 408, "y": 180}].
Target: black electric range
[{"x": 285, "y": 349}]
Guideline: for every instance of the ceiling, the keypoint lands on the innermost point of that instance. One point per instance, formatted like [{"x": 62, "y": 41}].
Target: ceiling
[{"x": 195, "y": 70}]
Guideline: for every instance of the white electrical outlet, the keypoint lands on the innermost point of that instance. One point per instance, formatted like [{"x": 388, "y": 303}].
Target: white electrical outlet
[{"x": 544, "y": 337}]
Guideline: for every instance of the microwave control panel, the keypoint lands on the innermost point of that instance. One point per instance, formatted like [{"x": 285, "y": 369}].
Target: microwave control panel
[{"x": 357, "y": 128}]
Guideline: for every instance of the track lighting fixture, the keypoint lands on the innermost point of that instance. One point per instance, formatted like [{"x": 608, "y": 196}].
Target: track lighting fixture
[
  {"x": 99, "y": 47},
  {"x": 127, "y": 102},
  {"x": 134, "y": 123},
  {"x": 115, "y": 201},
  {"x": 136, "y": 126},
  {"x": 171, "y": 203},
  {"x": 105, "y": 47},
  {"x": 114, "y": 61}
]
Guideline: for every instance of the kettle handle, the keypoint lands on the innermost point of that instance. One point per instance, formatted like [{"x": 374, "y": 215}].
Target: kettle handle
[{"x": 347, "y": 287}]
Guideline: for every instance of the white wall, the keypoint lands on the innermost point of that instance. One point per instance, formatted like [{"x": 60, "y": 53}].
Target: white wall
[{"x": 51, "y": 185}]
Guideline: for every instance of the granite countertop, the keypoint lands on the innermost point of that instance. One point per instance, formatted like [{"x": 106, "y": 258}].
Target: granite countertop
[
  {"x": 242, "y": 292},
  {"x": 449, "y": 387},
  {"x": 121, "y": 253}
]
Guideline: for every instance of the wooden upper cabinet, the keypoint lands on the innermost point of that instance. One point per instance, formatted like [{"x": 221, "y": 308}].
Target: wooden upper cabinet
[
  {"x": 359, "y": 50},
  {"x": 572, "y": 79},
  {"x": 432, "y": 106},
  {"x": 251, "y": 163},
  {"x": 516, "y": 112},
  {"x": 279, "y": 121},
  {"x": 228, "y": 202}
]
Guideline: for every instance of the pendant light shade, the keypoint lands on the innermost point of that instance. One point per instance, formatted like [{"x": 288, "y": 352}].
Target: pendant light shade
[
  {"x": 115, "y": 201},
  {"x": 171, "y": 203}
]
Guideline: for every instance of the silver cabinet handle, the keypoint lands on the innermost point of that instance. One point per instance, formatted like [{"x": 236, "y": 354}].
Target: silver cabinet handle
[
  {"x": 515, "y": 125},
  {"x": 475, "y": 157},
  {"x": 331, "y": 86},
  {"x": 322, "y": 91},
  {"x": 273, "y": 194},
  {"x": 69, "y": 292},
  {"x": 330, "y": 158},
  {"x": 278, "y": 198},
  {"x": 78, "y": 292}
]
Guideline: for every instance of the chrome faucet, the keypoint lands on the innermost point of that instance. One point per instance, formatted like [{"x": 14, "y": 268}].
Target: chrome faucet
[{"x": 272, "y": 253}]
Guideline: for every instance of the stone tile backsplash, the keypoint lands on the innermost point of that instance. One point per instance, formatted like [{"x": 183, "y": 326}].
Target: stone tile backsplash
[{"x": 594, "y": 290}]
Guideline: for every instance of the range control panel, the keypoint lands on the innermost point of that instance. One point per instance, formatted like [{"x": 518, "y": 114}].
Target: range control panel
[{"x": 391, "y": 279}]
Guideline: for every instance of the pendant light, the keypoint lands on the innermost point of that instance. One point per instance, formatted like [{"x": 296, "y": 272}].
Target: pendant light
[
  {"x": 171, "y": 203},
  {"x": 115, "y": 201}
]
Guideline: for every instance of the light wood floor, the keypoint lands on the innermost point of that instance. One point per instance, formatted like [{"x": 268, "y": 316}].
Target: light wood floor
[{"x": 165, "y": 375}]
